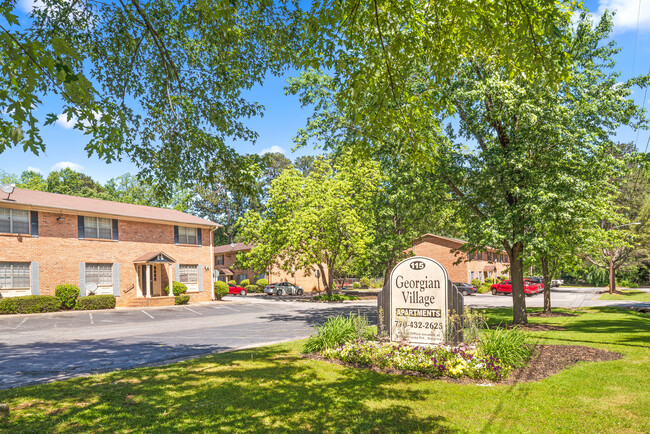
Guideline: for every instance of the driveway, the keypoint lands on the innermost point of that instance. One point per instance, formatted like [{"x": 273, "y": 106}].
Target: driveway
[{"x": 46, "y": 347}]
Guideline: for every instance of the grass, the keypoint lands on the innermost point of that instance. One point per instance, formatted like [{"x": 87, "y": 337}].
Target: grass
[
  {"x": 629, "y": 294},
  {"x": 274, "y": 389}
]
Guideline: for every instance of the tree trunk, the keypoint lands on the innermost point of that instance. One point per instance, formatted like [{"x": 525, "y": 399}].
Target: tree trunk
[
  {"x": 330, "y": 276},
  {"x": 519, "y": 315},
  {"x": 547, "y": 285}
]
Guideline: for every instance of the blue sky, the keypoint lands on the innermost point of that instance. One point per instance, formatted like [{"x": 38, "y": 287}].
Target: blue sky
[{"x": 283, "y": 116}]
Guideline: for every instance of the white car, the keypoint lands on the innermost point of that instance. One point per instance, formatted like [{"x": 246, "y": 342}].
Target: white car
[{"x": 283, "y": 288}]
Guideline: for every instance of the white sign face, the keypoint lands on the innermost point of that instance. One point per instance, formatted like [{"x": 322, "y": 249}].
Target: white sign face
[{"x": 418, "y": 301}]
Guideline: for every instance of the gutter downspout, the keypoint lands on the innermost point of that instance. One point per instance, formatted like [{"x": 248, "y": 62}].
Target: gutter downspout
[{"x": 212, "y": 261}]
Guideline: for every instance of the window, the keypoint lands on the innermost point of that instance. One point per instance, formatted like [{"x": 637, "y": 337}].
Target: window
[
  {"x": 188, "y": 274},
  {"x": 97, "y": 227},
  {"x": 471, "y": 276},
  {"x": 14, "y": 221},
  {"x": 219, "y": 260},
  {"x": 241, "y": 277},
  {"x": 99, "y": 274},
  {"x": 187, "y": 235},
  {"x": 14, "y": 275},
  {"x": 471, "y": 256},
  {"x": 479, "y": 256},
  {"x": 222, "y": 278}
]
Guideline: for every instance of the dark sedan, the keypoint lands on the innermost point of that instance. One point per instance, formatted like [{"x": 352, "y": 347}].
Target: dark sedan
[{"x": 465, "y": 288}]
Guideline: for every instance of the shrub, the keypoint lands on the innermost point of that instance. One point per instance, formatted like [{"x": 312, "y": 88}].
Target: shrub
[
  {"x": 262, "y": 282},
  {"x": 68, "y": 294},
  {"x": 483, "y": 288},
  {"x": 30, "y": 304},
  {"x": 181, "y": 299},
  {"x": 232, "y": 282},
  {"x": 220, "y": 289},
  {"x": 364, "y": 282},
  {"x": 178, "y": 288},
  {"x": 509, "y": 346},
  {"x": 356, "y": 285},
  {"x": 338, "y": 331},
  {"x": 252, "y": 288},
  {"x": 245, "y": 283},
  {"x": 476, "y": 282},
  {"x": 90, "y": 302},
  {"x": 335, "y": 297}
]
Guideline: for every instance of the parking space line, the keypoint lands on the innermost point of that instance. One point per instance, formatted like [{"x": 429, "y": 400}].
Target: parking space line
[
  {"x": 226, "y": 307},
  {"x": 192, "y": 310},
  {"x": 146, "y": 313},
  {"x": 92, "y": 321},
  {"x": 21, "y": 323}
]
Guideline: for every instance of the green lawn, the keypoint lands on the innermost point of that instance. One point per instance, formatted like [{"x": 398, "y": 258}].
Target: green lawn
[
  {"x": 628, "y": 294},
  {"x": 273, "y": 389}
]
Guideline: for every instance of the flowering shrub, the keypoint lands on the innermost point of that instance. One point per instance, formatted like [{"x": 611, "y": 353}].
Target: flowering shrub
[{"x": 438, "y": 361}]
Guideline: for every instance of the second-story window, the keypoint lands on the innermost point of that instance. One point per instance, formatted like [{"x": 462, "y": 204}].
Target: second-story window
[
  {"x": 187, "y": 235},
  {"x": 14, "y": 221},
  {"x": 97, "y": 227},
  {"x": 219, "y": 260}
]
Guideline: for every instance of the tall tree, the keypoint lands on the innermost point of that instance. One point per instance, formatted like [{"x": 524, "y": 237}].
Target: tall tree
[
  {"x": 320, "y": 221},
  {"x": 163, "y": 82},
  {"x": 68, "y": 181}
]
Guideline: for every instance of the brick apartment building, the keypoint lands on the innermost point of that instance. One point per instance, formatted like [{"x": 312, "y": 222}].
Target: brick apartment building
[
  {"x": 224, "y": 261},
  {"x": 489, "y": 264},
  {"x": 104, "y": 247}
]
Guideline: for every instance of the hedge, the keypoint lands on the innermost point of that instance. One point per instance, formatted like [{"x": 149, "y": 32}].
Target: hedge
[
  {"x": 252, "y": 288},
  {"x": 30, "y": 304},
  {"x": 178, "y": 288},
  {"x": 364, "y": 282},
  {"x": 220, "y": 289},
  {"x": 262, "y": 282},
  {"x": 181, "y": 299},
  {"x": 245, "y": 283},
  {"x": 91, "y": 302},
  {"x": 68, "y": 294}
]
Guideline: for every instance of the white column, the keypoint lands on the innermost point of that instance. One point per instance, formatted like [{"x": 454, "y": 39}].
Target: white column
[
  {"x": 171, "y": 280},
  {"x": 148, "y": 282}
]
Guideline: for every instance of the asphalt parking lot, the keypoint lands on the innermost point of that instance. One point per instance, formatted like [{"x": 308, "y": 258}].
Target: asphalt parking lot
[
  {"x": 40, "y": 348},
  {"x": 45, "y": 347}
]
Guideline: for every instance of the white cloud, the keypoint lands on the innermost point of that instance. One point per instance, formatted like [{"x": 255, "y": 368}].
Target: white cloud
[
  {"x": 69, "y": 164},
  {"x": 27, "y": 5},
  {"x": 63, "y": 121},
  {"x": 34, "y": 169},
  {"x": 627, "y": 14},
  {"x": 272, "y": 149}
]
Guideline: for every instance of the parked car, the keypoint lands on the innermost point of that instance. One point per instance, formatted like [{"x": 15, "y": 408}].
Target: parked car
[
  {"x": 537, "y": 280},
  {"x": 282, "y": 288},
  {"x": 465, "y": 288},
  {"x": 505, "y": 287},
  {"x": 556, "y": 283},
  {"x": 234, "y": 289}
]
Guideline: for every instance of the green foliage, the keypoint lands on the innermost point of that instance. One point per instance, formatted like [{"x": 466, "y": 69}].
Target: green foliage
[
  {"x": 476, "y": 282},
  {"x": 220, "y": 289},
  {"x": 509, "y": 346},
  {"x": 335, "y": 297},
  {"x": 232, "y": 282},
  {"x": 91, "y": 302},
  {"x": 178, "y": 288},
  {"x": 262, "y": 282},
  {"x": 68, "y": 294},
  {"x": 181, "y": 299},
  {"x": 245, "y": 282},
  {"x": 338, "y": 331},
  {"x": 30, "y": 304},
  {"x": 364, "y": 282},
  {"x": 356, "y": 285},
  {"x": 320, "y": 219},
  {"x": 483, "y": 288},
  {"x": 253, "y": 288}
]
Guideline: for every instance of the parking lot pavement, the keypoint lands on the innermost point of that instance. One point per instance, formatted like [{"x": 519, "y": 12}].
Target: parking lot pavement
[{"x": 40, "y": 348}]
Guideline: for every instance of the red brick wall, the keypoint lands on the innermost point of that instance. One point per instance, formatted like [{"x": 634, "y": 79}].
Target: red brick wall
[
  {"x": 444, "y": 251},
  {"x": 58, "y": 250}
]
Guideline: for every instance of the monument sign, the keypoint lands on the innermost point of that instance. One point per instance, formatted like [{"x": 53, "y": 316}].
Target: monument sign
[{"x": 417, "y": 302}]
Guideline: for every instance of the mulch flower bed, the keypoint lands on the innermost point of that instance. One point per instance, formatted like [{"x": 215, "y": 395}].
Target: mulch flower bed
[{"x": 547, "y": 360}]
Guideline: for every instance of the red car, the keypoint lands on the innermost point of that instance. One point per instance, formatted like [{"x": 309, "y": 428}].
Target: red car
[
  {"x": 505, "y": 286},
  {"x": 234, "y": 289}
]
